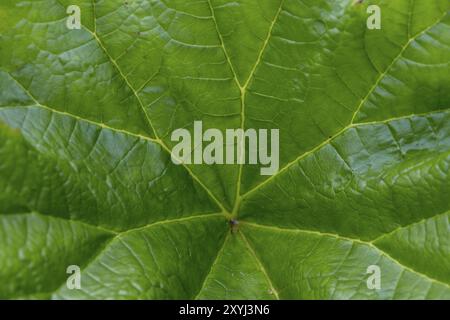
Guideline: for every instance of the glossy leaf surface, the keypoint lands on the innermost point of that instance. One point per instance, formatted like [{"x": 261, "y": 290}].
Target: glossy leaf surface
[{"x": 86, "y": 176}]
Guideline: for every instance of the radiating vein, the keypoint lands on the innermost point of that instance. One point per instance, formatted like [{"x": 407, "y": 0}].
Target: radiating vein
[
  {"x": 120, "y": 235},
  {"x": 104, "y": 126},
  {"x": 336, "y": 135},
  {"x": 353, "y": 240},
  {"x": 218, "y": 256},
  {"x": 352, "y": 122},
  {"x": 392, "y": 64},
  {"x": 258, "y": 262},
  {"x": 161, "y": 142},
  {"x": 243, "y": 90},
  {"x": 222, "y": 44}
]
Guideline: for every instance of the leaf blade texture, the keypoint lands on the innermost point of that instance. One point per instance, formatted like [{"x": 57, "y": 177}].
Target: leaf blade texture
[{"x": 86, "y": 176}]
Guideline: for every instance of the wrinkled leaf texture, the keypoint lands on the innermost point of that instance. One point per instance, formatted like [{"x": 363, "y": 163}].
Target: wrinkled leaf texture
[{"x": 86, "y": 177}]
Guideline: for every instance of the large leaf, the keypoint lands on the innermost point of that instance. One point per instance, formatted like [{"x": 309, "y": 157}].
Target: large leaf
[{"x": 85, "y": 171}]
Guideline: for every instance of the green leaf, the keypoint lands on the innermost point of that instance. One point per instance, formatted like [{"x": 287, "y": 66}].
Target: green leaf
[{"x": 86, "y": 176}]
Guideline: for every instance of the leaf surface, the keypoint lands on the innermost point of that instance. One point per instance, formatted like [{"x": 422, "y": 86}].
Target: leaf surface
[{"x": 86, "y": 176}]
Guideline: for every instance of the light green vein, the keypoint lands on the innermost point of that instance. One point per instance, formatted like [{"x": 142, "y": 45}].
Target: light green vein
[
  {"x": 218, "y": 256},
  {"x": 388, "y": 69},
  {"x": 161, "y": 142},
  {"x": 352, "y": 122},
  {"x": 336, "y": 135},
  {"x": 339, "y": 237},
  {"x": 260, "y": 265}
]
